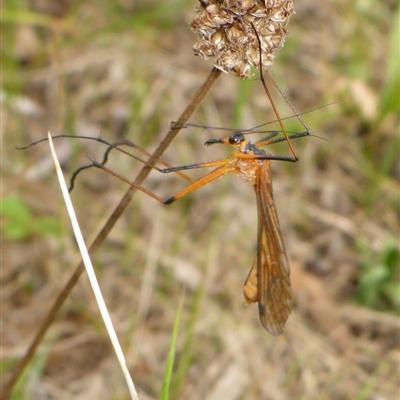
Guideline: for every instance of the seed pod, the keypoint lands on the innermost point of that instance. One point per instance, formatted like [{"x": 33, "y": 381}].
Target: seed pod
[{"x": 226, "y": 34}]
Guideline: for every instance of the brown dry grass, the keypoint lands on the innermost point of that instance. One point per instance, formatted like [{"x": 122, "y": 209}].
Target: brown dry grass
[{"x": 121, "y": 70}]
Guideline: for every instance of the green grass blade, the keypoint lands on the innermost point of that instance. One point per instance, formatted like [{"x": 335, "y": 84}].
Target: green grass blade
[
  {"x": 171, "y": 354},
  {"x": 185, "y": 358}
]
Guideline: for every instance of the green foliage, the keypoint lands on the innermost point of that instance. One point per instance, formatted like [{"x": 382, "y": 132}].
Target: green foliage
[
  {"x": 30, "y": 378},
  {"x": 171, "y": 354},
  {"x": 186, "y": 358},
  {"x": 390, "y": 99},
  {"x": 19, "y": 223},
  {"x": 379, "y": 283}
]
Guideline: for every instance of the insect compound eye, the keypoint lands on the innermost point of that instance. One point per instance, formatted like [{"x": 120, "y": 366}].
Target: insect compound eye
[{"x": 237, "y": 137}]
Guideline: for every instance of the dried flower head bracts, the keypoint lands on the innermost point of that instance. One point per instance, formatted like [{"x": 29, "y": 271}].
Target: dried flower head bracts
[{"x": 225, "y": 33}]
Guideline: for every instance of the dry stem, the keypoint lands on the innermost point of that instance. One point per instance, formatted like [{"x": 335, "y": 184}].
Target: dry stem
[{"x": 192, "y": 106}]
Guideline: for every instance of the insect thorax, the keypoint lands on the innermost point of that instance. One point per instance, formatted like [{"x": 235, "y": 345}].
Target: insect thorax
[{"x": 247, "y": 169}]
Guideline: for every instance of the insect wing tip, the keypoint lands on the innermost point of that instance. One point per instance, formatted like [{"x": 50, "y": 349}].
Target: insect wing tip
[{"x": 274, "y": 327}]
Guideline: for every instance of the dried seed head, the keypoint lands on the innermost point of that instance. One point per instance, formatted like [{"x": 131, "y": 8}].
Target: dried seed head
[{"x": 225, "y": 32}]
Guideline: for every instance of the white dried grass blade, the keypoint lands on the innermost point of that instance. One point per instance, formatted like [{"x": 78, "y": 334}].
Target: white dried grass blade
[{"x": 92, "y": 276}]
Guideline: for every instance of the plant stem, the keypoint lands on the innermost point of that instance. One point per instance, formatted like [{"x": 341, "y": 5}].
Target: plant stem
[{"x": 126, "y": 199}]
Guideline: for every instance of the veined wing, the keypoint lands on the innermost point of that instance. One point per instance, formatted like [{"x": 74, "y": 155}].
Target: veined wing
[
  {"x": 272, "y": 277},
  {"x": 250, "y": 289}
]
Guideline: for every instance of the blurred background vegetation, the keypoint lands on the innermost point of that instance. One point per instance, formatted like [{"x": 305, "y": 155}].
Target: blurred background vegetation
[{"x": 121, "y": 68}]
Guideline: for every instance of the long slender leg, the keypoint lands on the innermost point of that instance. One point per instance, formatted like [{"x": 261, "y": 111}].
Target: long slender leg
[
  {"x": 269, "y": 139},
  {"x": 267, "y": 91},
  {"x": 224, "y": 168},
  {"x": 117, "y": 147},
  {"x": 210, "y": 177},
  {"x": 194, "y": 184},
  {"x": 264, "y": 157},
  {"x": 111, "y": 146},
  {"x": 271, "y": 100},
  {"x": 146, "y": 153},
  {"x": 209, "y": 164}
]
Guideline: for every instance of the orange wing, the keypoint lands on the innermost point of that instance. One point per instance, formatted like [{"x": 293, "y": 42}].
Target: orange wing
[{"x": 272, "y": 277}]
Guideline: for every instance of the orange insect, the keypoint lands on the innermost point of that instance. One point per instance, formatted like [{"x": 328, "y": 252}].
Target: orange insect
[{"x": 268, "y": 282}]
